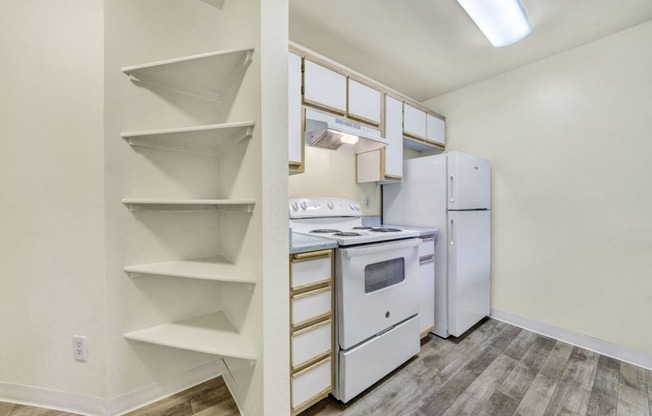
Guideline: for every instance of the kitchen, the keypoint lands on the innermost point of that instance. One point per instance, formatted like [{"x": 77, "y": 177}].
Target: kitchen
[{"x": 565, "y": 133}]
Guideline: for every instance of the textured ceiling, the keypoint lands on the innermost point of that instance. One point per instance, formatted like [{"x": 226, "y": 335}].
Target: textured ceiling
[{"x": 424, "y": 48}]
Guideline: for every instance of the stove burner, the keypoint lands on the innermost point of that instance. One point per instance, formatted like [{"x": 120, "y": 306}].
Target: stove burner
[
  {"x": 347, "y": 234},
  {"x": 325, "y": 231},
  {"x": 362, "y": 228},
  {"x": 386, "y": 230}
]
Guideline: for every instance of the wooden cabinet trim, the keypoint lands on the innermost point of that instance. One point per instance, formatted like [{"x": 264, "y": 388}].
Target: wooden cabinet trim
[
  {"x": 310, "y": 287},
  {"x": 312, "y": 292},
  {"x": 311, "y": 255},
  {"x": 426, "y": 331},
  {"x": 296, "y": 167},
  {"x": 310, "y": 57},
  {"x": 315, "y": 322},
  {"x": 302, "y": 366},
  {"x": 312, "y": 367}
]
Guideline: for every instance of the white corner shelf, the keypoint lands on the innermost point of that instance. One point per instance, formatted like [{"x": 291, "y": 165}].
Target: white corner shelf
[
  {"x": 207, "y": 75},
  {"x": 210, "y": 334},
  {"x": 244, "y": 205},
  {"x": 213, "y": 138},
  {"x": 215, "y": 3},
  {"x": 206, "y": 268}
]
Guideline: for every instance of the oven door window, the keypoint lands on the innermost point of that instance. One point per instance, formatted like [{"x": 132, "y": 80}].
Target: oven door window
[{"x": 387, "y": 273}]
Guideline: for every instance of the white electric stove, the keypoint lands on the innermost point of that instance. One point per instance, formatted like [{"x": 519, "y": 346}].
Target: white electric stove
[
  {"x": 340, "y": 220},
  {"x": 376, "y": 287}
]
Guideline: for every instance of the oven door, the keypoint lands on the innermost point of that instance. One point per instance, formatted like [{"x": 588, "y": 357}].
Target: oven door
[{"x": 377, "y": 287}]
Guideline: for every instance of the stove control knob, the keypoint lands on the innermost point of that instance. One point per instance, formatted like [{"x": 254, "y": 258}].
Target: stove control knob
[
  {"x": 304, "y": 205},
  {"x": 331, "y": 205},
  {"x": 352, "y": 206},
  {"x": 295, "y": 206},
  {"x": 357, "y": 207}
]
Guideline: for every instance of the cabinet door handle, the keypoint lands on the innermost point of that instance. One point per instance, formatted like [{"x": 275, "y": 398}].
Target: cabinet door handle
[
  {"x": 311, "y": 255},
  {"x": 452, "y": 232},
  {"x": 427, "y": 259},
  {"x": 452, "y": 192}
]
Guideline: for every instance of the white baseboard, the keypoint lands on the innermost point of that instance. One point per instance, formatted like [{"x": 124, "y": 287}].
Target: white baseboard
[
  {"x": 52, "y": 399},
  {"x": 151, "y": 393},
  {"x": 607, "y": 348},
  {"x": 119, "y": 405}
]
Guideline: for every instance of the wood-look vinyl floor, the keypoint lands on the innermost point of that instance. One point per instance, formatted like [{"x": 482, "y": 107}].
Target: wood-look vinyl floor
[
  {"x": 497, "y": 369},
  {"x": 493, "y": 370}
]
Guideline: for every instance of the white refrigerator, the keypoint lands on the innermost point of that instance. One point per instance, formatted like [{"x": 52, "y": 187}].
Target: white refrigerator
[{"x": 451, "y": 192}]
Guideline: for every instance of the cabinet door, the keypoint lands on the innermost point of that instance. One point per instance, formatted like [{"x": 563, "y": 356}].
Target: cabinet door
[
  {"x": 394, "y": 134},
  {"x": 414, "y": 121},
  {"x": 435, "y": 130},
  {"x": 324, "y": 87},
  {"x": 368, "y": 166},
  {"x": 364, "y": 102},
  {"x": 295, "y": 134}
]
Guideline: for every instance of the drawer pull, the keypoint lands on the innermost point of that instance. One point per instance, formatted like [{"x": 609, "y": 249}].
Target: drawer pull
[
  {"x": 426, "y": 259},
  {"x": 312, "y": 255},
  {"x": 311, "y": 327},
  {"x": 311, "y": 367},
  {"x": 311, "y": 293}
]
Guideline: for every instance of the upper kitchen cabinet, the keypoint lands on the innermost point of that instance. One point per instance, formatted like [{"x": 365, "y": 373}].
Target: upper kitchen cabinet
[
  {"x": 295, "y": 124},
  {"x": 423, "y": 130},
  {"x": 385, "y": 165},
  {"x": 394, "y": 134},
  {"x": 435, "y": 130},
  {"x": 414, "y": 122},
  {"x": 364, "y": 102},
  {"x": 324, "y": 87}
]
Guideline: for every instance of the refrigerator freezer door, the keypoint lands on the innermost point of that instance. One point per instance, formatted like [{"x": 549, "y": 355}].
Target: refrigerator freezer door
[
  {"x": 469, "y": 252},
  {"x": 420, "y": 200},
  {"x": 468, "y": 182}
]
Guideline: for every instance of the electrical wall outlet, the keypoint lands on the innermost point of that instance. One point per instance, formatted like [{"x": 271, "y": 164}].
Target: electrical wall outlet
[
  {"x": 79, "y": 350},
  {"x": 367, "y": 201}
]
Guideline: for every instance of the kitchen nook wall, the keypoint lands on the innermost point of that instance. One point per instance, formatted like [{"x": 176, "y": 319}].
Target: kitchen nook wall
[
  {"x": 52, "y": 210},
  {"x": 332, "y": 173},
  {"x": 569, "y": 141}
]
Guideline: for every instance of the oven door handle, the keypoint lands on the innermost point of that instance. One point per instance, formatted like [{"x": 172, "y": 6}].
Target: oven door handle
[{"x": 380, "y": 248}]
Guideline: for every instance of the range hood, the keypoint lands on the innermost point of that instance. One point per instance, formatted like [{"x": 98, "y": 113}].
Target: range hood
[{"x": 332, "y": 132}]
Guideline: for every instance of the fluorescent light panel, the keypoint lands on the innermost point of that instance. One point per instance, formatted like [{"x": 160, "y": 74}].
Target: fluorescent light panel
[{"x": 503, "y": 22}]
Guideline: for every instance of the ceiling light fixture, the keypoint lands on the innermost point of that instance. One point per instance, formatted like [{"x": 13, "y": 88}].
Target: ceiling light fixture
[{"x": 503, "y": 22}]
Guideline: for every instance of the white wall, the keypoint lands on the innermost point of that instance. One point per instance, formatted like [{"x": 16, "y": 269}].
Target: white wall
[
  {"x": 569, "y": 139},
  {"x": 275, "y": 267},
  {"x": 332, "y": 173},
  {"x": 52, "y": 193},
  {"x": 66, "y": 235}
]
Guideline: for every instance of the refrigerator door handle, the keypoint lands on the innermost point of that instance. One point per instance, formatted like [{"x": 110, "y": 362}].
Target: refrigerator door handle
[
  {"x": 452, "y": 232},
  {"x": 452, "y": 192}
]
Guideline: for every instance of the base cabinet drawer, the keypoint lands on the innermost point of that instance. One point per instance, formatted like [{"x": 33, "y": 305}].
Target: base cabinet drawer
[
  {"x": 427, "y": 246},
  {"x": 308, "y": 271},
  {"x": 311, "y": 342},
  {"x": 311, "y": 306},
  {"x": 311, "y": 384}
]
